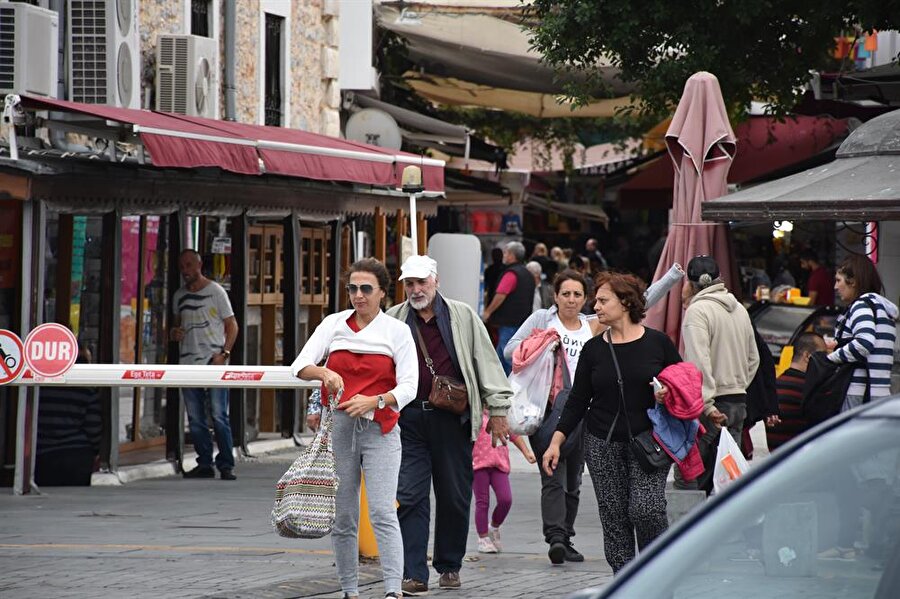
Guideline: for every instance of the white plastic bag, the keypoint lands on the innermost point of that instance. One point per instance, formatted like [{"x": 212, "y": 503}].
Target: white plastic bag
[
  {"x": 531, "y": 390},
  {"x": 730, "y": 462}
]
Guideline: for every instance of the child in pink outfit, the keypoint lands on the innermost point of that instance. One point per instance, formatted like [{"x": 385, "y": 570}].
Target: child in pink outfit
[{"x": 491, "y": 465}]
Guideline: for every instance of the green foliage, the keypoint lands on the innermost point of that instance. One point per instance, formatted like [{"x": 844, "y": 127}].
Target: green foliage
[{"x": 759, "y": 50}]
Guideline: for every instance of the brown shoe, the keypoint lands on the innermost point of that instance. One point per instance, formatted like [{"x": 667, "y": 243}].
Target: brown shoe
[
  {"x": 414, "y": 588},
  {"x": 450, "y": 580}
]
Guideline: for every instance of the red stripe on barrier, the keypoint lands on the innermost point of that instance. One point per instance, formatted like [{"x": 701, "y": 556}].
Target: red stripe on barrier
[
  {"x": 144, "y": 375},
  {"x": 240, "y": 375}
]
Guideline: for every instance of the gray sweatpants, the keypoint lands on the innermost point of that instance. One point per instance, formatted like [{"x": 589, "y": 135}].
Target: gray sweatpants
[{"x": 358, "y": 443}]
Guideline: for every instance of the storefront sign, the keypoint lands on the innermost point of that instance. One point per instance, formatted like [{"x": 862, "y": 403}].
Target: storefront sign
[
  {"x": 221, "y": 245},
  {"x": 50, "y": 350},
  {"x": 11, "y": 356}
]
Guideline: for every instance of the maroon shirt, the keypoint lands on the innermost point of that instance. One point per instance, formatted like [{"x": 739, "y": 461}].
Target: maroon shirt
[
  {"x": 438, "y": 353},
  {"x": 821, "y": 281}
]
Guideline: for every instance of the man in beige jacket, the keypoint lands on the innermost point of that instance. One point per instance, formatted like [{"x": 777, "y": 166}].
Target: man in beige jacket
[
  {"x": 437, "y": 444},
  {"x": 718, "y": 340}
]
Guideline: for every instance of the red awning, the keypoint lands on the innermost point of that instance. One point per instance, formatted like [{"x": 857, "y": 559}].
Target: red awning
[
  {"x": 299, "y": 153},
  {"x": 188, "y": 142},
  {"x": 764, "y": 146}
]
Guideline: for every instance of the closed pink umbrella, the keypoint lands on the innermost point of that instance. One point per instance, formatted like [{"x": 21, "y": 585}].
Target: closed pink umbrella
[{"x": 702, "y": 146}]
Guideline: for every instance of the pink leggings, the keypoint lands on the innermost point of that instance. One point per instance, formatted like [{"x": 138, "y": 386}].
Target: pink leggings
[{"x": 485, "y": 478}]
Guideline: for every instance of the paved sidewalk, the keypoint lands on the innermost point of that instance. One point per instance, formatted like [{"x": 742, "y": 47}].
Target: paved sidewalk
[
  {"x": 169, "y": 537},
  {"x": 175, "y": 538}
]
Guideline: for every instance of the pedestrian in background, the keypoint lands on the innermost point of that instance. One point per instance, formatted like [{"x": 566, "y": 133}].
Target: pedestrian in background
[
  {"x": 371, "y": 373},
  {"x": 491, "y": 467},
  {"x": 558, "y": 255},
  {"x": 592, "y": 252},
  {"x": 866, "y": 332},
  {"x": 719, "y": 341},
  {"x": 68, "y": 433},
  {"x": 820, "y": 283},
  {"x": 541, "y": 255},
  {"x": 543, "y": 291},
  {"x": 492, "y": 273},
  {"x": 561, "y": 490},
  {"x": 512, "y": 302},
  {"x": 632, "y": 502},
  {"x": 205, "y": 329},
  {"x": 790, "y": 393},
  {"x": 762, "y": 396},
  {"x": 437, "y": 444}
]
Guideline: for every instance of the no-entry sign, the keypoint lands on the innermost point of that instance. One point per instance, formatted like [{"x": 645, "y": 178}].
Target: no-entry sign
[
  {"x": 50, "y": 350},
  {"x": 11, "y": 356}
]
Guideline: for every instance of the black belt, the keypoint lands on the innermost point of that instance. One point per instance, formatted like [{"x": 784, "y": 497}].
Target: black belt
[{"x": 422, "y": 404}]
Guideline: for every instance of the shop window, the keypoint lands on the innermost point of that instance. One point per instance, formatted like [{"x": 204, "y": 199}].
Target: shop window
[
  {"x": 201, "y": 17},
  {"x": 314, "y": 254},
  {"x": 266, "y": 278},
  {"x": 142, "y": 324},
  {"x": 274, "y": 33},
  {"x": 10, "y": 258}
]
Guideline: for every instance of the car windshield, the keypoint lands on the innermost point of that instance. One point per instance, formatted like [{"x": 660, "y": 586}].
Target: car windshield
[{"x": 824, "y": 523}]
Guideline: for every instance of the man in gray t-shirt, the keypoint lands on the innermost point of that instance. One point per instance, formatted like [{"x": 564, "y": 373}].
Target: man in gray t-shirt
[{"x": 205, "y": 329}]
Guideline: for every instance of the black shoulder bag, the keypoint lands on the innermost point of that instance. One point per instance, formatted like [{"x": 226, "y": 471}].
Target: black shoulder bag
[
  {"x": 826, "y": 382},
  {"x": 644, "y": 447}
]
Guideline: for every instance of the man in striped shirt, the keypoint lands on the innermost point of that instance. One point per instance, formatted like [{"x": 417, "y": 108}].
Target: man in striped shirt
[
  {"x": 68, "y": 434},
  {"x": 790, "y": 392}
]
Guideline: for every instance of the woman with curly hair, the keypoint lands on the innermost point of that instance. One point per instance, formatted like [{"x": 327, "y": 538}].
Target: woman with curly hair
[{"x": 632, "y": 502}]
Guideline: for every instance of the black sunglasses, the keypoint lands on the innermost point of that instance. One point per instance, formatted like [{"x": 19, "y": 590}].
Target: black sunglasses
[{"x": 366, "y": 289}]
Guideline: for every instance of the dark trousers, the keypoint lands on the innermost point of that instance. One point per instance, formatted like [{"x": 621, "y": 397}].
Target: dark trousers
[
  {"x": 632, "y": 502},
  {"x": 437, "y": 449},
  {"x": 560, "y": 495},
  {"x": 708, "y": 444},
  {"x": 65, "y": 468}
]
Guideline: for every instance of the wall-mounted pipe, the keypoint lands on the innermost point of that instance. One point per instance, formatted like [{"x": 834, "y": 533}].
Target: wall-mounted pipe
[{"x": 230, "y": 42}]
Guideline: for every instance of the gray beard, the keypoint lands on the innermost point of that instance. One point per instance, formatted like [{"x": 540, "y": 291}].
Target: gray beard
[{"x": 419, "y": 305}]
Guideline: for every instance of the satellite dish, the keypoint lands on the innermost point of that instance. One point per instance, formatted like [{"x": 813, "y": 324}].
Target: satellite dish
[{"x": 374, "y": 127}]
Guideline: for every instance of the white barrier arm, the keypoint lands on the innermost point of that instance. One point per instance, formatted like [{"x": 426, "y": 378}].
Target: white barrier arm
[{"x": 173, "y": 375}]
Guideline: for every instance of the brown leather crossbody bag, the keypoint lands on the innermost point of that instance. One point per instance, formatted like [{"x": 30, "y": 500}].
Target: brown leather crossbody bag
[{"x": 447, "y": 392}]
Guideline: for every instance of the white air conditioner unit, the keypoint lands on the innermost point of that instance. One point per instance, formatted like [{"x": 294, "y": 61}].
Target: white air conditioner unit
[
  {"x": 104, "y": 52},
  {"x": 187, "y": 75},
  {"x": 29, "y": 49}
]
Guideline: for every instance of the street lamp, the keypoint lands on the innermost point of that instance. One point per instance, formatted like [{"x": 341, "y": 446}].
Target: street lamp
[{"x": 412, "y": 184}]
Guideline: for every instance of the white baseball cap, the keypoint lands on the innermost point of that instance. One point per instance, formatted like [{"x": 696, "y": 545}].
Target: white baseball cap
[{"x": 418, "y": 267}]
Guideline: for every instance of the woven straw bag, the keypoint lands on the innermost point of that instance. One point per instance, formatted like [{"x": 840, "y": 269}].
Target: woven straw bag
[{"x": 304, "y": 496}]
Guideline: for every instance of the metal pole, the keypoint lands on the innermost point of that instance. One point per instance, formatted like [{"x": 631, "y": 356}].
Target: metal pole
[
  {"x": 22, "y": 474},
  {"x": 289, "y": 400},
  {"x": 413, "y": 225}
]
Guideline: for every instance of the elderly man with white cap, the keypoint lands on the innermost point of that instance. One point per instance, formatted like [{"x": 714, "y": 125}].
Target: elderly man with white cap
[{"x": 437, "y": 443}]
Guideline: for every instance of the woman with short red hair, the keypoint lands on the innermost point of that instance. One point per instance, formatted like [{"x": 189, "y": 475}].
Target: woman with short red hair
[{"x": 632, "y": 502}]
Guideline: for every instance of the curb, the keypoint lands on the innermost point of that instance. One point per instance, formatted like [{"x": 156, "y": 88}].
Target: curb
[{"x": 164, "y": 468}]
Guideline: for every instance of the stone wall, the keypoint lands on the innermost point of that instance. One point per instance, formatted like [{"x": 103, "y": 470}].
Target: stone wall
[
  {"x": 313, "y": 58},
  {"x": 315, "y": 95},
  {"x": 247, "y": 67},
  {"x": 156, "y": 17}
]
